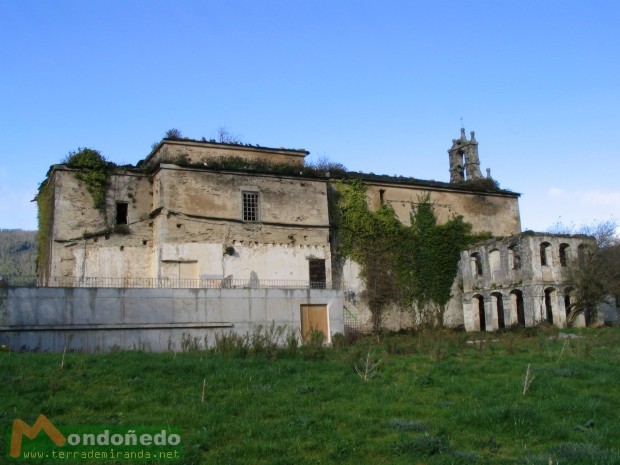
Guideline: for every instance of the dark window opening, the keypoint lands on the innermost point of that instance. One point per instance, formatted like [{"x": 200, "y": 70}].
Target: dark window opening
[
  {"x": 543, "y": 254},
  {"x": 250, "y": 206},
  {"x": 564, "y": 254},
  {"x": 121, "y": 212},
  {"x": 318, "y": 278},
  {"x": 515, "y": 257},
  {"x": 581, "y": 255},
  {"x": 477, "y": 264},
  {"x": 382, "y": 196}
]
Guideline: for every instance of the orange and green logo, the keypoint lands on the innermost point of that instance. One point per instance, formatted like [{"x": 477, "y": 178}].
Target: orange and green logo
[
  {"x": 84, "y": 443},
  {"x": 21, "y": 429}
]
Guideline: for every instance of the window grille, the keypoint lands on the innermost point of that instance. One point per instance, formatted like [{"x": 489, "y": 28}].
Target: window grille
[{"x": 250, "y": 206}]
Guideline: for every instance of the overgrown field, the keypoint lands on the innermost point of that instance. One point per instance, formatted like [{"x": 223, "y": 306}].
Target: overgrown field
[{"x": 419, "y": 398}]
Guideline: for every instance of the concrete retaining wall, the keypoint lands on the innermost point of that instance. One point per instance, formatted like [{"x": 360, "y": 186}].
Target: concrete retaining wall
[{"x": 104, "y": 319}]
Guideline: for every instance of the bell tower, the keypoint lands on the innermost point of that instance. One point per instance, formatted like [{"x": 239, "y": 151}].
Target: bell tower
[{"x": 464, "y": 161}]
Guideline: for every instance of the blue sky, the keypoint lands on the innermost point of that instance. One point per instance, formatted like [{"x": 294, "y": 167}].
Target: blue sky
[{"x": 377, "y": 86}]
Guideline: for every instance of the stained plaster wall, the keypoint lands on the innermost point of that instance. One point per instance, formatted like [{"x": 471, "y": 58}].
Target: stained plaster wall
[
  {"x": 496, "y": 213},
  {"x": 84, "y": 240},
  {"x": 189, "y": 217},
  {"x": 201, "y": 215}
]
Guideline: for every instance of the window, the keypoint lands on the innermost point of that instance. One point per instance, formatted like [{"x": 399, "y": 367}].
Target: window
[
  {"x": 544, "y": 254},
  {"x": 581, "y": 254},
  {"x": 495, "y": 261},
  {"x": 476, "y": 264},
  {"x": 564, "y": 254},
  {"x": 121, "y": 212},
  {"x": 250, "y": 206},
  {"x": 317, "y": 273},
  {"x": 514, "y": 257}
]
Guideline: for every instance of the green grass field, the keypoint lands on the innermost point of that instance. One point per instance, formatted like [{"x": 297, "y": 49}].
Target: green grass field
[{"x": 429, "y": 398}]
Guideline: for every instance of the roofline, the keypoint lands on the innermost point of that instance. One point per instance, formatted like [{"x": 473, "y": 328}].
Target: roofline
[
  {"x": 172, "y": 166},
  {"x": 249, "y": 148},
  {"x": 436, "y": 185}
]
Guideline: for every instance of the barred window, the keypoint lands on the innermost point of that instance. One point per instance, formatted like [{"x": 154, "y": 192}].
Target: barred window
[{"x": 250, "y": 206}]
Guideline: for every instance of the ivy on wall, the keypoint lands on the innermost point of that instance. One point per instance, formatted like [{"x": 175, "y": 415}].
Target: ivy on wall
[
  {"x": 94, "y": 171},
  {"x": 45, "y": 212},
  {"x": 409, "y": 266}
]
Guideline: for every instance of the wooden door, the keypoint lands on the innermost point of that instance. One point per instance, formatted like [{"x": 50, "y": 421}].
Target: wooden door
[{"x": 314, "y": 317}]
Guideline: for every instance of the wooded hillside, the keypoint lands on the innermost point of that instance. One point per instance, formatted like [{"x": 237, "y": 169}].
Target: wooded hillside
[{"x": 18, "y": 252}]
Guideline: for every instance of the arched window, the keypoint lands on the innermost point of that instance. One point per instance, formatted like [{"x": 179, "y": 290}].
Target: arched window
[
  {"x": 495, "y": 262},
  {"x": 514, "y": 257},
  {"x": 564, "y": 254},
  {"x": 545, "y": 252},
  {"x": 476, "y": 264},
  {"x": 581, "y": 254}
]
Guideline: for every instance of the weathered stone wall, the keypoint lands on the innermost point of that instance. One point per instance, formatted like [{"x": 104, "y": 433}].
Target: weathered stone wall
[
  {"x": 95, "y": 320},
  {"x": 284, "y": 201},
  {"x": 86, "y": 241},
  {"x": 511, "y": 267},
  {"x": 200, "y": 152},
  {"x": 493, "y": 212},
  {"x": 181, "y": 221},
  {"x": 201, "y": 218}
]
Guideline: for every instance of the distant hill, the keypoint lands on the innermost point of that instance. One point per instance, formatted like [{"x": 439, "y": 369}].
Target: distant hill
[{"x": 18, "y": 252}]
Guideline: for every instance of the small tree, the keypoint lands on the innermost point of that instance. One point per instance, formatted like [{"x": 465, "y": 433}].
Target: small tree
[
  {"x": 226, "y": 137},
  {"x": 595, "y": 273},
  {"x": 173, "y": 134}
]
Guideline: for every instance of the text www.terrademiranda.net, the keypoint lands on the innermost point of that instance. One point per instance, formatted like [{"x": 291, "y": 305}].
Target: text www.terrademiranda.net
[{"x": 102, "y": 455}]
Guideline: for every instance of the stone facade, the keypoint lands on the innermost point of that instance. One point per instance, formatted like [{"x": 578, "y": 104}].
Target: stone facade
[
  {"x": 175, "y": 220},
  {"x": 187, "y": 224},
  {"x": 519, "y": 280}
]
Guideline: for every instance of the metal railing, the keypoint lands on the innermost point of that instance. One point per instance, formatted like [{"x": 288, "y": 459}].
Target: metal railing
[{"x": 166, "y": 283}]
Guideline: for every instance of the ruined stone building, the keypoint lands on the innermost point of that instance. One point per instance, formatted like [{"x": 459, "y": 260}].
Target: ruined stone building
[
  {"x": 183, "y": 219},
  {"x": 520, "y": 280}
]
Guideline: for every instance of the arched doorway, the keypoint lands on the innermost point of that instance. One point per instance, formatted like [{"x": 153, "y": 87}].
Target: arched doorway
[
  {"x": 479, "y": 302},
  {"x": 498, "y": 301},
  {"x": 567, "y": 300},
  {"x": 549, "y": 294},
  {"x": 517, "y": 304}
]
